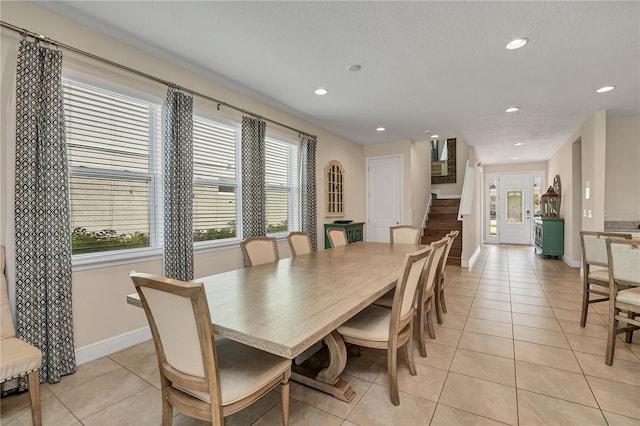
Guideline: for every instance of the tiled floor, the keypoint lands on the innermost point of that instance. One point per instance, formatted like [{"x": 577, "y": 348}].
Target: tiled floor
[{"x": 510, "y": 351}]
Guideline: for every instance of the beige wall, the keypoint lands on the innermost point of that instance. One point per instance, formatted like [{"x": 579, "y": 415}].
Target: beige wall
[
  {"x": 622, "y": 183},
  {"x": 462, "y": 155},
  {"x": 99, "y": 308},
  {"x": 420, "y": 181},
  {"x": 515, "y": 168}
]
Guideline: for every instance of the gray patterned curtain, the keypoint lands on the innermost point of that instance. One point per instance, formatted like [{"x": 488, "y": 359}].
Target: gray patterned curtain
[
  {"x": 42, "y": 226},
  {"x": 254, "y": 221},
  {"x": 178, "y": 186},
  {"x": 308, "y": 213}
]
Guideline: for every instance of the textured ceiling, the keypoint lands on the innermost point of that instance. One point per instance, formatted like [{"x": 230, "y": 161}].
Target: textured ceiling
[{"x": 439, "y": 66}]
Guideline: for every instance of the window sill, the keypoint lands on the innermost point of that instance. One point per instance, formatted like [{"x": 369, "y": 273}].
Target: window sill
[{"x": 83, "y": 262}]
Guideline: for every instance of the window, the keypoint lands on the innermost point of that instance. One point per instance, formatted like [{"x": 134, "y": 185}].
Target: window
[
  {"x": 112, "y": 140},
  {"x": 281, "y": 180},
  {"x": 215, "y": 180}
]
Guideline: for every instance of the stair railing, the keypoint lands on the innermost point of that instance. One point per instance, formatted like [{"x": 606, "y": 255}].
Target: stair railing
[{"x": 426, "y": 211}]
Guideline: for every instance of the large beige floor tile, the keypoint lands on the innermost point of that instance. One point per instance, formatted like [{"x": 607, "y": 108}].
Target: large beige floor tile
[
  {"x": 368, "y": 365},
  {"x": 541, "y": 410},
  {"x": 621, "y": 370},
  {"x": 375, "y": 408},
  {"x": 546, "y": 355},
  {"x": 450, "y": 320},
  {"x": 490, "y": 314},
  {"x": 483, "y": 343},
  {"x": 491, "y": 295},
  {"x": 426, "y": 384},
  {"x": 484, "y": 366},
  {"x": 146, "y": 368},
  {"x": 554, "y": 382},
  {"x": 481, "y": 397},
  {"x": 492, "y": 304},
  {"x": 460, "y": 291},
  {"x": 616, "y": 397},
  {"x": 85, "y": 373},
  {"x": 447, "y": 416},
  {"x": 142, "y": 408},
  {"x": 447, "y": 336},
  {"x": 492, "y": 328},
  {"x": 530, "y": 300},
  {"x": 528, "y": 291},
  {"x": 591, "y": 330},
  {"x": 327, "y": 402},
  {"x": 540, "y": 336},
  {"x": 493, "y": 288},
  {"x": 619, "y": 420},
  {"x": 300, "y": 414},
  {"x": 438, "y": 356},
  {"x": 53, "y": 413},
  {"x": 523, "y": 308},
  {"x": 134, "y": 353},
  {"x": 593, "y": 345},
  {"x": 99, "y": 393},
  {"x": 536, "y": 321}
]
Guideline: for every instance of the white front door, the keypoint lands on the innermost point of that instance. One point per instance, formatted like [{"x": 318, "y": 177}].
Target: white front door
[
  {"x": 384, "y": 196},
  {"x": 515, "y": 216}
]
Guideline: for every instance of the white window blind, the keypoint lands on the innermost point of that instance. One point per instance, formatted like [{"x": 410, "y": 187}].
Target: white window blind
[
  {"x": 111, "y": 144},
  {"x": 215, "y": 189},
  {"x": 281, "y": 180}
]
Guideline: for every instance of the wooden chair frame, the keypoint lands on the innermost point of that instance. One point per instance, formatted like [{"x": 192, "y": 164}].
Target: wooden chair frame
[
  {"x": 245, "y": 246},
  {"x": 402, "y": 229},
  {"x": 426, "y": 298},
  {"x": 615, "y": 306},
  {"x": 214, "y": 411},
  {"x": 587, "y": 281},
  {"x": 441, "y": 305},
  {"x": 333, "y": 234},
  {"x": 295, "y": 235},
  {"x": 401, "y": 326}
]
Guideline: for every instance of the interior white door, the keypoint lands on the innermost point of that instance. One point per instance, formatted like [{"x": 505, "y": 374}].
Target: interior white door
[
  {"x": 515, "y": 201},
  {"x": 384, "y": 196}
]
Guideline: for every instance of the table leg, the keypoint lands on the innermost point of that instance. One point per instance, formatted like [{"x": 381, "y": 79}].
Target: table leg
[{"x": 328, "y": 378}]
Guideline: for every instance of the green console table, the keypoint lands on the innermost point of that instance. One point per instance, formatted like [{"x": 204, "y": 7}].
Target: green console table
[
  {"x": 549, "y": 236},
  {"x": 353, "y": 230}
]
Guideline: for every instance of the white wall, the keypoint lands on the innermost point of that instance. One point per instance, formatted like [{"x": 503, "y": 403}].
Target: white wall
[{"x": 100, "y": 311}]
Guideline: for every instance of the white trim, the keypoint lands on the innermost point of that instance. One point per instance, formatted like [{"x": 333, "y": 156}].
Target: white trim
[
  {"x": 573, "y": 263},
  {"x": 439, "y": 195},
  {"x": 469, "y": 263},
  {"x": 114, "y": 344}
]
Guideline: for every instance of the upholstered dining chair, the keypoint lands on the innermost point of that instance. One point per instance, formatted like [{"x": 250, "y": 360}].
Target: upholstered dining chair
[
  {"x": 17, "y": 357},
  {"x": 260, "y": 250},
  {"x": 203, "y": 377},
  {"x": 337, "y": 237},
  {"x": 300, "y": 243},
  {"x": 595, "y": 280},
  {"x": 441, "y": 305},
  {"x": 624, "y": 290},
  {"x": 380, "y": 328},
  {"x": 404, "y": 234}
]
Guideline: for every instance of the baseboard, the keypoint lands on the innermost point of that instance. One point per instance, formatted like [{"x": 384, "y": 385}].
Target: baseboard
[
  {"x": 108, "y": 346},
  {"x": 572, "y": 263},
  {"x": 469, "y": 263}
]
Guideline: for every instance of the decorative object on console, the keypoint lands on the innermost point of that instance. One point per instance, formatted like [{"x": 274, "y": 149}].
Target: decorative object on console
[
  {"x": 550, "y": 203},
  {"x": 334, "y": 189}
]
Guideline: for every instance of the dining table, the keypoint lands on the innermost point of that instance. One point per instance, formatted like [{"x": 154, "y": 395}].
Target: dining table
[{"x": 288, "y": 306}]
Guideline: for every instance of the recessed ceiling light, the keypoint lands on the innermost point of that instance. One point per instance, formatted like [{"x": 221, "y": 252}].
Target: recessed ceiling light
[
  {"x": 515, "y": 158},
  {"x": 321, "y": 91},
  {"x": 517, "y": 43},
  {"x": 512, "y": 109},
  {"x": 605, "y": 89},
  {"x": 381, "y": 129},
  {"x": 435, "y": 136},
  {"x": 427, "y": 131},
  {"x": 354, "y": 67},
  {"x": 518, "y": 144}
]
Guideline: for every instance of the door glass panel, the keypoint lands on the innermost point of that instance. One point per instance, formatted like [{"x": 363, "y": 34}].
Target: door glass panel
[
  {"x": 515, "y": 207},
  {"x": 537, "y": 186},
  {"x": 493, "y": 223}
]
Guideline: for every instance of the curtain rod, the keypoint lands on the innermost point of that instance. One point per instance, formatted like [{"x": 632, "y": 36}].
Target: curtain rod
[{"x": 45, "y": 39}]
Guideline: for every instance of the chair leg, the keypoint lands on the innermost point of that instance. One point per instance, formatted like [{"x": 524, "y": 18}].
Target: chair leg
[
  {"x": 33, "y": 379},
  {"x": 284, "y": 390},
  {"x": 444, "y": 305},
  {"x": 585, "y": 305},
  {"x": 432, "y": 330},
  {"x": 167, "y": 411},
  {"x": 392, "y": 369},
  {"x": 422, "y": 341},
  {"x": 409, "y": 348},
  {"x": 629, "y": 334},
  {"x": 611, "y": 338},
  {"x": 438, "y": 309}
]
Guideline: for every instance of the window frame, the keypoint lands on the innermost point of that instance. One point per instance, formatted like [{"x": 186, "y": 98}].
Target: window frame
[{"x": 293, "y": 185}]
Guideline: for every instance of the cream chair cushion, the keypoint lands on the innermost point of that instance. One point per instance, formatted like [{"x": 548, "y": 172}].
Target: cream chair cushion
[
  {"x": 600, "y": 275},
  {"x": 18, "y": 358},
  {"x": 372, "y": 323},
  {"x": 405, "y": 235},
  {"x": 631, "y": 296},
  {"x": 242, "y": 370}
]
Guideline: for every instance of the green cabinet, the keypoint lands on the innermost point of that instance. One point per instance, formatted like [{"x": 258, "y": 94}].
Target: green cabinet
[
  {"x": 549, "y": 236},
  {"x": 354, "y": 232}
]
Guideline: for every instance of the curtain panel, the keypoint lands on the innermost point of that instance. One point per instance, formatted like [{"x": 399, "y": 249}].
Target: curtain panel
[
  {"x": 178, "y": 186},
  {"x": 308, "y": 191},
  {"x": 254, "y": 221},
  {"x": 42, "y": 225}
]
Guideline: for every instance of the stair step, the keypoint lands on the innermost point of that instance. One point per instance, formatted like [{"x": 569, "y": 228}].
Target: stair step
[
  {"x": 445, "y": 202},
  {"x": 452, "y": 260},
  {"x": 443, "y": 216},
  {"x": 444, "y": 224},
  {"x": 444, "y": 209}
]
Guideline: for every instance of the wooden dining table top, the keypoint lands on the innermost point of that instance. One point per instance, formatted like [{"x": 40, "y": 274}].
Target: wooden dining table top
[{"x": 287, "y": 306}]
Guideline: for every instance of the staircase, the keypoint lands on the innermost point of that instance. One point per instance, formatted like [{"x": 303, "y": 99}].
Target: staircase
[{"x": 443, "y": 218}]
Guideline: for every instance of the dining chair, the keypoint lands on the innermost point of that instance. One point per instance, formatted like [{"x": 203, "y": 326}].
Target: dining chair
[
  {"x": 595, "y": 280},
  {"x": 300, "y": 243},
  {"x": 17, "y": 357},
  {"x": 337, "y": 237},
  {"x": 259, "y": 250},
  {"x": 441, "y": 305},
  {"x": 203, "y": 377},
  {"x": 404, "y": 234},
  {"x": 426, "y": 295},
  {"x": 380, "y": 328},
  {"x": 624, "y": 290}
]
